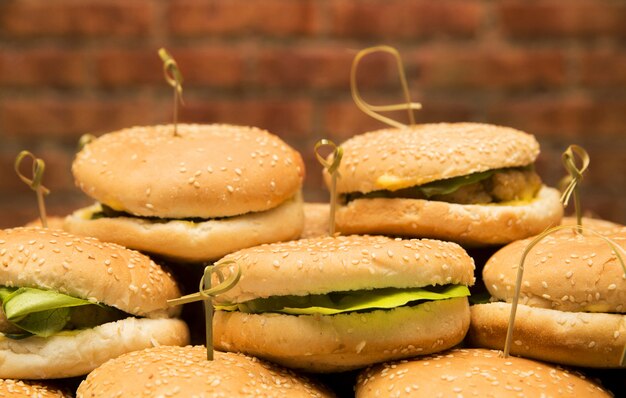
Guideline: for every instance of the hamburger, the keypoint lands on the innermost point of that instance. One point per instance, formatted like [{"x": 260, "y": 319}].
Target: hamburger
[
  {"x": 336, "y": 304},
  {"x": 572, "y": 301},
  {"x": 465, "y": 182},
  {"x": 185, "y": 372},
  {"x": 71, "y": 303},
  {"x": 194, "y": 197},
  {"x": 473, "y": 372}
]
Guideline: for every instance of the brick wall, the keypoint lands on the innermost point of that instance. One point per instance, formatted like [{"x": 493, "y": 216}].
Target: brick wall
[{"x": 551, "y": 67}]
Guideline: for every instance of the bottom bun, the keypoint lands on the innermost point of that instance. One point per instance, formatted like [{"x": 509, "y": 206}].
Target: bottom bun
[
  {"x": 70, "y": 354},
  {"x": 335, "y": 343},
  {"x": 473, "y": 372},
  {"x": 473, "y": 225},
  {"x": 189, "y": 241},
  {"x": 595, "y": 340}
]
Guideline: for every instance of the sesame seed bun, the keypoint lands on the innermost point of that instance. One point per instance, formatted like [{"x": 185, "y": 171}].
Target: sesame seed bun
[
  {"x": 420, "y": 154},
  {"x": 573, "y": 298},
  {"x": 185, "y": 372},
  {"x": 207, "y": 171},
  {"x": 323, "y": 265},
  {"x": 395, "y": 159},
  {"x": 604, "y": 227},
  {"x": 219, "y": 180},
  {"x": 22, "y": 388},
  {"x": 473, "y": 372},
  {"x": 99, "y": 272},
  {"x": 329, "y": 343},
  {"x": 86, "y": 268}
]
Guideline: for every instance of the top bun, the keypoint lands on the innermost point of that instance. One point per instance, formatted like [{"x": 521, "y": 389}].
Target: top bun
[
  {"x": 178, "y": 372},
  {"x": 10, "y": 388},
  {"x": 564, "y": 271},
  {"x": 393, "y": 159},
  {"x": 206, "y": 171},
  {"x": 473, "y": 373},
  {"x": 324, "y": 265},
  {"x": 86, "y": 268},
  {"x": 600, "y": 226}
]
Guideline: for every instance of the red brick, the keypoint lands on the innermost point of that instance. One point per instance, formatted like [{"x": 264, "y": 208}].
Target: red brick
[
  {"x": 52, "y": 67},
  {"x": 604, "y": 68},
  {"x": 237, "y": 17},
  {"x": 607, "y": 168},
  {"x": 557, "y": 18},
  {"x": 200, "y": 66},
  {"x": 289, "y": 119},
  {"x": 69, "y": 18},
  {"x": 322, "y": 68},
  {"x": 67, "y": 119},
  {"x": 343, "y": 119},
  {"x": 405, "y": 19},
  {"x": 19, "y": 209},
  {"x": 490, "y": 67},
  {"x": 57, "y": 175},
  {"x": 567, "y": 117},
  {"x": 602, "y": 205}
]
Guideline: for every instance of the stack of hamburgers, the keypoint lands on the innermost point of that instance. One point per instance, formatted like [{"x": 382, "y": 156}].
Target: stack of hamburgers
[{"x": 392, "y": 286}]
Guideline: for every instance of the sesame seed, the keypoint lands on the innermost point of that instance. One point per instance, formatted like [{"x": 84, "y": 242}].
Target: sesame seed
[{"x": 612, "y": 286}]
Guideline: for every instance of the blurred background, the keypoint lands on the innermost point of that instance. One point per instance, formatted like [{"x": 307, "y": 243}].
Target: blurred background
[{"x": 553, "y": 68}]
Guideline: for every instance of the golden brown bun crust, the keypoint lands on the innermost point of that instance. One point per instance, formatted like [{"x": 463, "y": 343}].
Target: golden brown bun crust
[
  {"x": 86, "y": 268},
  {"x": 21, "y": 388},
  {"x": 181, "y": 372},
  {"x": 70, "y": 354},
  {"x": 473, "y": 373},
  {"x": 400, "y": 158},
  {"x": 194, "y": 242},
  {"x": 323, "y": 265},
  {"x": 207, "y": 171},
  {"x": 471, "y": 225},
  {"x": 564, "y": 271},
  {"x": 594, "y": 340},
  {"x": 601, "y": 226},
  {"x": 344, "y": 341},
  {"x": 316, "y": 220}
]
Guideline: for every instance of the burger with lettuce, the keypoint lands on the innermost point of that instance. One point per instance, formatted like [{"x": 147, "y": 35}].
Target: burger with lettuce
[
  {"x": 71, "y": 303},
  {"x": 335, "y": 304},
  {"x": 470, "y": 183}
]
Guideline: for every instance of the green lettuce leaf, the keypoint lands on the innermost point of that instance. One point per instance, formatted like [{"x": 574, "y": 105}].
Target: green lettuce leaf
[
  {"x": 40, "y": 312},
  {"x": 339, "y": 302},
  {"x": 444, "y": 187}
]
